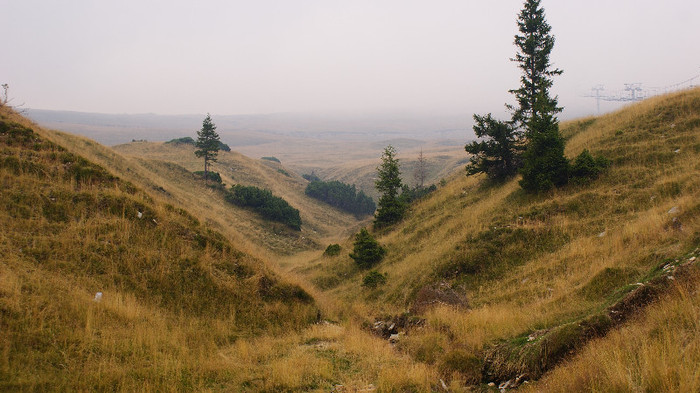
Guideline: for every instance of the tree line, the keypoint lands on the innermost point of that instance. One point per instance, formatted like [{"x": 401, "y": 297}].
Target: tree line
[{"x": 343, "y": 196}]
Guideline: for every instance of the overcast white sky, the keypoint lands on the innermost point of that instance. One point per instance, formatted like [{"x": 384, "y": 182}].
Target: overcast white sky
[{"x": 355, "y": 56}]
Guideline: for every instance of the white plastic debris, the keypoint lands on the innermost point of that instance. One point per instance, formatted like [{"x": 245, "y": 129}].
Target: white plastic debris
[{"x": 98, "y": 297}]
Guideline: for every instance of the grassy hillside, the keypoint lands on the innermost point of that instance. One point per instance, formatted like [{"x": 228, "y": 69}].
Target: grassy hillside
[
  {"x": 526, "y": 263},
  {"x": 172, "y": 288},
  {"x": 588, "y": 287},
  {"x": 166, "y": 169}
]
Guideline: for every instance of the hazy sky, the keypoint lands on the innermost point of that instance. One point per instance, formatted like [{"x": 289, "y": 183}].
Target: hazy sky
[{"x": 355, "y": 56}]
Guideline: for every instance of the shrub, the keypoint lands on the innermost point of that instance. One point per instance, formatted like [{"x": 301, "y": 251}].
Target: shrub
[
  {"x": 366, "y": 252},
  {"x": 374, "y": 279},
  {"x": 273, "y": 159},
  {"x": 185, "y": 140},
  {"x": 586, "y": 168},
  {"x": 263, "y": 202},
  {"x": 213, "y": 176},
  {"x": 332, "y": 250},
  {"x": 341, "y": 195}
]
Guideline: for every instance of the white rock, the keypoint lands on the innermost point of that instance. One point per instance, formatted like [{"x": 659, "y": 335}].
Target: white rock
[
  {"x": 491, "y": 384},
  {"x": 673, "y": 210},
  {"x": 601, "y": 234},
  {"x": 139, "y": 214},
  {"x": 677, "y": 151},
  {"x": 98, "y": 297}
]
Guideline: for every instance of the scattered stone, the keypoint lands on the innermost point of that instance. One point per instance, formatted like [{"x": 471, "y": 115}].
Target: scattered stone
[
  {"x": 444, "y": 386},
  {"x": 601, "y": 234},
  {"x": 673, "y": 210},
  {"x": 139, "y": 214},
  {"x": 692, "y": 259},
  {"x": 491, "y": 384},
  {"x": 677, "y": 151},
  {"x": 98, "y": 297}
]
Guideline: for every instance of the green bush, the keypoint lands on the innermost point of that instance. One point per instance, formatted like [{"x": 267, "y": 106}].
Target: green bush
[
  {"x": 213, "y": 176},
  {"x": 366, "y": 252},
  {"x": 273, "y": 159},
  {"x": 332, "y": 250},
  {"x": 343, "y": 196},
  {"x": 586, "y": 168},
  {"x": 374, "y": 279},
  {"x": 264, "y": 203}
]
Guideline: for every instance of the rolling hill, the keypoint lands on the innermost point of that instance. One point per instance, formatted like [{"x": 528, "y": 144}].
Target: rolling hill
[{"x": 590, "y": 287}]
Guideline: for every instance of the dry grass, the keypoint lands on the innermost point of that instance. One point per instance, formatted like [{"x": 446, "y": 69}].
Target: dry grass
[{"x": 523, "y": 262}]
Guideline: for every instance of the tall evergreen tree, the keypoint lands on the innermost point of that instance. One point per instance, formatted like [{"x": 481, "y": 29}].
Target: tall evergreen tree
[
  {"x": 544, "y": 163},
  {"x": 207, "y": 144},
  {"x": 534, "y": 44},
  {"x": 391, "y": 208}
]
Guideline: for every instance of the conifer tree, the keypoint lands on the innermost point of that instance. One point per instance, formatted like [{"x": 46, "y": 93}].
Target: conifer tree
[
  {"x": 391, "y": 208},
  {"x": 498, "y": 153},
  {"x": 544, "y": 163},
  {"x": 207, "y": 144},
  {"x": 534, "y": 44}
]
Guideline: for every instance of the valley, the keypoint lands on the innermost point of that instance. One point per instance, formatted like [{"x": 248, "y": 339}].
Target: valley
[{"x": 587, "y": 287}]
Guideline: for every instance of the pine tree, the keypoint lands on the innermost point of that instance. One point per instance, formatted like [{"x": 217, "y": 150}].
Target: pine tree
[
  {"x": 367, "y": 252},
  {"x": 391, "y": 208},
  {"x": 498, "y": 154},
  {"x": 534, "y": 45},
  {"x": 544, "y": 163},
  {"x": 207, "y": 144}
]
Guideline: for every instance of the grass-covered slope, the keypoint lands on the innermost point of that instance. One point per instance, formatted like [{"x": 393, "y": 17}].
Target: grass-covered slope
[
  {"x": 173, "y": 290},
  {"x": 169, "y": 166},
  {"x": 528, "y": 264}
]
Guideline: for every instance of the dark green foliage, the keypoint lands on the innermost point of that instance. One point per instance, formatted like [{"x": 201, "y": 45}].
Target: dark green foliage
[
  {"x": 497, "y": 154},
  {"x": 311, "y": 177},
  {"x": 214, "y": 176},
  {"x": 263, "y": 202},
  {"x": 332, "y": 250},
  {"x": 341, "y": 195},
  {"x": 534, "y": 43},
  {"x": 207, "y": 143},
  {"x": 391, "y": 209},
  {"x": 544, "y": 163},
  {"x": 373, "y": 279},
  {"x": 409, "y": 195},
  {"x": 182, "y": 141},
  {"x": 189, "y": 141},
  {"x": 273, "y": 159},
  {"x": 586, "y": 168},
  {"x": 366, "y": 251}
]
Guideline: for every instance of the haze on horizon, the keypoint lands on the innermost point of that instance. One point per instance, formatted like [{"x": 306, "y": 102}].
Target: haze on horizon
[{"x": 441, "y": 57}]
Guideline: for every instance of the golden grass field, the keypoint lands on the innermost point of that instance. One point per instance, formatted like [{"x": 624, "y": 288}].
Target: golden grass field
[{"x": 525, "y": 264}]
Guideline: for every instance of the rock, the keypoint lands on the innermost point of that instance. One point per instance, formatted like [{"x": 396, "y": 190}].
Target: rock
[
  {"x": 673, "y": 210},
  {"x": 601, "y": 234},
  {"x": 394, "y": 338},
  {"x": 677, "y": 151},
  {"x": 98, "y": 297},
  {"x": 139, "y": 214},
  {"x": 437, "y": 294},
  {"x": 491, "y": 384}
]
